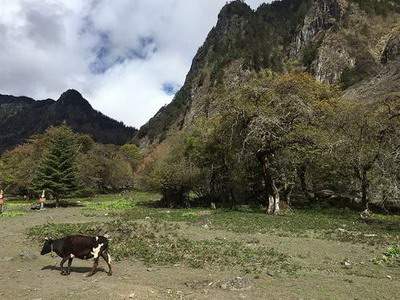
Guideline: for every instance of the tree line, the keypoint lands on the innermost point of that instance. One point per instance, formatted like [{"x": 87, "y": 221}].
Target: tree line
[
  {"x": 283, "y": 138},
  {"x": 65, "y": 163}
]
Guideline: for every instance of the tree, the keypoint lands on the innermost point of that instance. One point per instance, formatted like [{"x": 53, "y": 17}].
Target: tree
[
  {"x": 56, "y": 172},
  {"x": 366, "y": 138},
  {"x": 283, "y": 130},
  {"x": 132, "y": 154}
]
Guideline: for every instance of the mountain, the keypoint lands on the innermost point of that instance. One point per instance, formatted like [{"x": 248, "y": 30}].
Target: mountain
[
  {"x": 21, "y": 117},
  {"x": 350, "y": 43}
]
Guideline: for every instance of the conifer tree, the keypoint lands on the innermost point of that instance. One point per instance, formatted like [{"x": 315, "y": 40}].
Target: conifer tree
[{"x": 57, "y": 173}]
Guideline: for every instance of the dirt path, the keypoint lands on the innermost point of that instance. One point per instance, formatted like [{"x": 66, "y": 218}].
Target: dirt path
[{"x": 27, "y": 275}]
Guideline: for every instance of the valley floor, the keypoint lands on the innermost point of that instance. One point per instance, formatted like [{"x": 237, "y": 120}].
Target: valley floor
[{"x": 334, "y": 257}]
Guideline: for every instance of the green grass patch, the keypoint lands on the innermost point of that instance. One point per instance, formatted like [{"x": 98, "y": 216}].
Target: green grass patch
[
  {"x": 393, "y": 251},
  {"x": 12, "y": 214},
  {"x": 332, "y": 224},
  {"x": 328, "y": 223},
  {"x": 14, "y": 209},
  {"x": 160, "y": 243},
  {"x": 391, "y": 257}
]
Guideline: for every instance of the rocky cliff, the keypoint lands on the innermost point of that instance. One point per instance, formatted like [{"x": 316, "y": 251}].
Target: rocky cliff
[{"x": 345, "y": 42}]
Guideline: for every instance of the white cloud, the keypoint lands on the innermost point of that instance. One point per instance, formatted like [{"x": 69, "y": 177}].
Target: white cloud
[{"x": 118, "y": 53}]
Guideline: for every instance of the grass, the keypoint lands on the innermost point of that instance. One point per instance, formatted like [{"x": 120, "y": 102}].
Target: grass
[
  {"x": 157, "y": 236},
  {"x": 12, "y": 214},
  {"x": 334, "y": 224},
  {"x": 391, "y": 257},
  {"x": 330, "y": 224},
  {"x": 160, "y": 243},
  {"x": 112, "y": 204},
  {"x": 14, "y": 209}
]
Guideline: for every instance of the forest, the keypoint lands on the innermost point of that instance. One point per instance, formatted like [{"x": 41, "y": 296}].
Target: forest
[
  {"x": 283, "y": 138},
  {"x": 277, "y": 140}
]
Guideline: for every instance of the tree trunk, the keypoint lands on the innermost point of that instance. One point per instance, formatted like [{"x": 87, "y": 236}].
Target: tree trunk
[
  {"x": 302, "y": 173},
  {"x": 233, "y": 199},
  {"x": 364, "y": 191},
  {"x": 270, "y": 187}
]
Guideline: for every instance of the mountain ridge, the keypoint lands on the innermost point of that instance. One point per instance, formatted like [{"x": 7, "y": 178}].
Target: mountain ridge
[{"x": 22, "y": 117}]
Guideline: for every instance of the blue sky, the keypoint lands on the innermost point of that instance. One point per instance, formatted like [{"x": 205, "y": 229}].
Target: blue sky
[{"x": 127, "y": 57}]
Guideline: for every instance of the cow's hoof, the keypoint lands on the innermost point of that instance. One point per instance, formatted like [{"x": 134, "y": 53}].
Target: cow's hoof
[
  {"x": 64, "y": 273},
  {"x": 89, "y": 275},
  {"x": 109, "y": 273}
]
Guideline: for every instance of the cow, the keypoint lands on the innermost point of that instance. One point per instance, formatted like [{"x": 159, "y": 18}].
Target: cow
[{"x": 79, "y": 246}]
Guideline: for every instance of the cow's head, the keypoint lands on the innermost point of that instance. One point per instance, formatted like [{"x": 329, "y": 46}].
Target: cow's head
[{"x": 47, "y": 246}]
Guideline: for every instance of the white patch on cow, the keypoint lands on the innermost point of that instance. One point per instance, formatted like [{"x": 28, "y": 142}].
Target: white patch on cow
[
  {"x": 97, "y": 238},
  {"x": 96, "y": 251},
  {"x": 71, "y": 255},
  {"x": 109, "y": 258}
]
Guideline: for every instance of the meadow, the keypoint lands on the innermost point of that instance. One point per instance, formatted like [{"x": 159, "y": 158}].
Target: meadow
[{"x": 231, "y": 252}]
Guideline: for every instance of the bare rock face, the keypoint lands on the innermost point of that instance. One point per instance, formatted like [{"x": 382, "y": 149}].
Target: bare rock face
[
  {"x": 333, "y": 59},
  {"x": 392, "y": 49},
  {"x": 323, "y": 15}
]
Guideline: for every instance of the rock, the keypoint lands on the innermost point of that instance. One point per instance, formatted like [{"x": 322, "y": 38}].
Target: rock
[
  {"x": 27, "y": 256},
  {"x": 389, "y": 277},
  {"x": 6, "y": 258},
  {"x": 132, "y": 295},
  {"x": 392, "y": 49},
  {"x": 370, "y": 235},
  {"x": 346, "y": 263}
]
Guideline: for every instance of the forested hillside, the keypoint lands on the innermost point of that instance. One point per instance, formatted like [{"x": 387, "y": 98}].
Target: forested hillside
[
  {"x": 343, "y": 42},
  {"x": 296, "y": 101},
  {"x": 21, "y": 117}
]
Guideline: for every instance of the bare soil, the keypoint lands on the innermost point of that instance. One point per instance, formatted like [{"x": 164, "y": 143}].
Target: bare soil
[{"x": 27, "y": 275}]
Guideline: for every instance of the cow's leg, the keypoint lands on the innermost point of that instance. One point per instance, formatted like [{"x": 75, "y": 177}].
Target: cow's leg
[
  {"x": 69, "y": 265},
  {"x": 107, "y": 258},
  {"x": 95, "y": 264},
  {"x": 62, "y": 265}
]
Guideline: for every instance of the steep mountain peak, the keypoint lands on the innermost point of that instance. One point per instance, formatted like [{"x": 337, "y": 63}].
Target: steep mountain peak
[
  {"x": 72, "y": 97},
  {"x": 21, "y": 117},
  {"x": 236, "y": 7}
]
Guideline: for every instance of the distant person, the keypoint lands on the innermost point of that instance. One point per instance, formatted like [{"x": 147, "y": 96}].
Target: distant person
[
  {"x": 2, "y": 201},
  {"x": 42, "y": 200}
]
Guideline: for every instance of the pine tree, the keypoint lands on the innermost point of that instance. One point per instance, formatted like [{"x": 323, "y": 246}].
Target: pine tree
[{"x": 57, "y": 172}]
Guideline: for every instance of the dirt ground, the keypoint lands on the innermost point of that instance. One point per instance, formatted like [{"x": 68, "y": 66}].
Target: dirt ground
[{"x": 27, "y": 275}]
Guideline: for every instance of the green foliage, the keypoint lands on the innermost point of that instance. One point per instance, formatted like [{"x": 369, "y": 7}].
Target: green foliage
[
  {"x": 316, "y": 145},
  {"x": 57, "y": 173},
  {"x": 174, "y": 176},
  {"x": 132, "y": 153},
  {"x": 393, "y": 251},
  {"x": 97, "y": 168}
]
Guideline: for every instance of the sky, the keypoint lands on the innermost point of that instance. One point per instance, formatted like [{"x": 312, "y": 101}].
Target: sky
[{"x": 127, "y": 57}]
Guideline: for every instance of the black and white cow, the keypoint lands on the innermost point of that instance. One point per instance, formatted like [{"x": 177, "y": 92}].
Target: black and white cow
[{"x": 79, "y": 246}]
